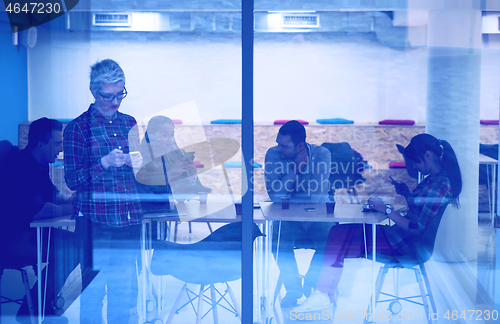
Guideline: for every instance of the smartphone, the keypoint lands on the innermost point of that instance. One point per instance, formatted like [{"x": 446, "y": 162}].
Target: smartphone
[
  {"x": 310, "y": 209},
  {"x": 134, "y": 154},
  {"x": 394, "y": 182}
]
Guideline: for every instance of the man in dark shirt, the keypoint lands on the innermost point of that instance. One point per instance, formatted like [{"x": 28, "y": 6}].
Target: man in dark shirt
[{"x": 27, "y": 194}]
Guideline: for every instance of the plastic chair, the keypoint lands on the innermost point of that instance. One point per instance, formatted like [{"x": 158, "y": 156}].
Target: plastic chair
[
  {"x": 423, "y": 252},
  {"x": 215, "y": 259},
  {"x": 344, "y": 169},
  {"x": 17, "y": 264}
]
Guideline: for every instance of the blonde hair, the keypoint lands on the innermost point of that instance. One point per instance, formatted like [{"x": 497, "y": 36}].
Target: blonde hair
[{"x": 105, "y": 72}]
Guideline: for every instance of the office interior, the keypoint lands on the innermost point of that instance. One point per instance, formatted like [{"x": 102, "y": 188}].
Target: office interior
[{"x": 435, "y": 63}]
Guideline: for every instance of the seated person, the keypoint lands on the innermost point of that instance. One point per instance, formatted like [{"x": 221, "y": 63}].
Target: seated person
[
  {"x": 27, "y": 194},
  {"x": 433, "y": 158},
  {"x": 300, "y": 171},
  {"x": 167, "y": 168}
]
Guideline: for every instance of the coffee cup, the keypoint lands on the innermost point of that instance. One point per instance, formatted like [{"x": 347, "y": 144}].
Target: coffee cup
[
  {"x": 285, "y": 202},
  {"x": 330, "y": 207},
  {"x": 203, "y": 197}
]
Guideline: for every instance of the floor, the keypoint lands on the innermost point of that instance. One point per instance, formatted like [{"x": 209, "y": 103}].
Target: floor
[{"x": 463, "y": 291}]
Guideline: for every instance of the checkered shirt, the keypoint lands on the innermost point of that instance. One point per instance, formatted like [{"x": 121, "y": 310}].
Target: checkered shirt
[
  {"x": 106, "y": 196},
  {"x": 423, "y": 204}
]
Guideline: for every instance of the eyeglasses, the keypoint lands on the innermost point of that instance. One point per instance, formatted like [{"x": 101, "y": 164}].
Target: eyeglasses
[{"x": 118, "y": 96}]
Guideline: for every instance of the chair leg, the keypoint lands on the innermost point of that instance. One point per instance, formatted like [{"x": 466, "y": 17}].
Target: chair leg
[
  {"x": 428, "y": 287},
  {"x": 380, "y": 282},
  {"x": 233, "y": 299},
  {"x": 277, "y": 289},
  {"x": 175, "y": 231},
  {"x": 378, "y": 287},
  {"x": 423, "y": 293},
  {"x": 26, "y": 283},
  {"x": 209, "y": 227},
  {"x": 395, "y": 274},
  {"x": 200, "y": 305},
  {"x": 214, "y": 304},
  {"x": 189, "y": 224},
  {"x": 176, "y": 304}
]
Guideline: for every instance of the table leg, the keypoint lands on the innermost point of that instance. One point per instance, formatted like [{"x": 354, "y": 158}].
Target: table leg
[
  {"x": 39, "y": 261},
  {"x": 39, "y": 271},
  {"x": 144, "y": 258},
  {"x": 374, "y": 259},
  {"x": 46, "y": 274},
  {"x": 490, "y": 198},
  {"x": 493, "y": 194}
]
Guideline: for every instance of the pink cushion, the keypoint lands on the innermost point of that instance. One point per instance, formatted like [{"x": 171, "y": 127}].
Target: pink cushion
[
  {"x": 396, "y": 165},
  {"x": 198, "y": 164},
  {"x": 489, "y": 122},
  {"x": 396, "y": 122},
  {"x": 283, "y": 121},
  {"x": 177, "y": 121}
]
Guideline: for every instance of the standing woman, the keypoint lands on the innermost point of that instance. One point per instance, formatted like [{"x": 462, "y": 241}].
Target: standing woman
[
  {"x": 99, "y": 166},
  {"x": 436, "y": 160}
]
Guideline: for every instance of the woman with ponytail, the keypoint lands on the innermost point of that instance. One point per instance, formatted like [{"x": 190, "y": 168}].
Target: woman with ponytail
[{"x": 442, "y": 185}]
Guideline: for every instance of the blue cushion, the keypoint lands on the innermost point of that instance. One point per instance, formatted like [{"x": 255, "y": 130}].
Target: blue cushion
[
  {"x": 64, "y": 120},
  {"x": 226, "y": 121},
  {"x": 237, "y": 164},
  {"x": 335, "y": 121}
]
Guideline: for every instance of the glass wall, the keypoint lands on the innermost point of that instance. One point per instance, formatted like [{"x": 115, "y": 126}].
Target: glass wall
[
  {"x": 364, "y": 78},
  {"x": 359, "y": 80},
  {"x": 181, "y": 162}
]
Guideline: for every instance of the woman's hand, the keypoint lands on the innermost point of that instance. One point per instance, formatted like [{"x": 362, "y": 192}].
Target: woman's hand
[
  {"x": 401, "y": 188},
  {"x": 377, "y": 204}
]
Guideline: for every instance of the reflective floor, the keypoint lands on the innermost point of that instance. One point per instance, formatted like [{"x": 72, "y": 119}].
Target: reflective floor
[{"x": 466, "y": 288}]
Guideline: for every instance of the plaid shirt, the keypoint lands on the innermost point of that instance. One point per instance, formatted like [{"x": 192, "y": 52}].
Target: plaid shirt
[
  {"x": 424, "y": 203},
  {"x": 106, "y": 196}
]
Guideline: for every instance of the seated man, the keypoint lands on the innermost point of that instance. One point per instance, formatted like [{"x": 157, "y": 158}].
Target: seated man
[
  {"x": 27, "y": 194},
  {"x": 300, "y": 171}
]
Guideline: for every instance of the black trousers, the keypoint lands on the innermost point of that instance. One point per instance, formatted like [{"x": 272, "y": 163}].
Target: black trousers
[{"x": 292, "y": 233}]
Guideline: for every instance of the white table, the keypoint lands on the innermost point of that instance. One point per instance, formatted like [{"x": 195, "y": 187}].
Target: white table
[
  {"x": 225, "y": 212},
  {"x": 346, "y": 213}
]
